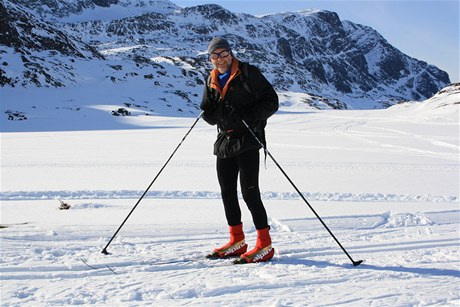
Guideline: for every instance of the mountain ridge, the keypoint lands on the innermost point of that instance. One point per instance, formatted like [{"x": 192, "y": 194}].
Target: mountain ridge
[{"x": 312, "y": 51}]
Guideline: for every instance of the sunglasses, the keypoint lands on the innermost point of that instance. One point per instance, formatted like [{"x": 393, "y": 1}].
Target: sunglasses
[{"x": 222, "y": 54}]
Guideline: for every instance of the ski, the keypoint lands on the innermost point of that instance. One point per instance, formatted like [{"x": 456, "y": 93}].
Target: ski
[
  {"x": 204, "y": 262},
  {"x": 101, "y": 267},
  {"x": 98, "y": 268},
  {"x": 239, "y": 260}
]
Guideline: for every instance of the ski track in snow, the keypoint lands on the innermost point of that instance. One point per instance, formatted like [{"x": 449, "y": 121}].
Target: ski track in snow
[
  {"x": 349, "y": 131},
  {"x": 267, "y": 195},
  {"x": 308, "y": 269}
]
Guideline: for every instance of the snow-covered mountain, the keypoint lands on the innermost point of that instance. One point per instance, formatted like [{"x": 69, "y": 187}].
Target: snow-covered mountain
[
  {"x": 37, "y": 53},
  {"x": 82, "y": 10},
  {"x": 332, "y": 62}
]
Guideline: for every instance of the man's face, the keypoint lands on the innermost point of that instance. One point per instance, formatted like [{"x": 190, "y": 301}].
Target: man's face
[{"x": 221, "y": 59}]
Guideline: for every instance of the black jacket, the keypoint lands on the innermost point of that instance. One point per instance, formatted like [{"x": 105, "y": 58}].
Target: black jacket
[{"x": 254, "y": 102}]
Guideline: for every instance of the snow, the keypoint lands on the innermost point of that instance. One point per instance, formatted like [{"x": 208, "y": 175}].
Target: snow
[{"x": 386, "y": 182}]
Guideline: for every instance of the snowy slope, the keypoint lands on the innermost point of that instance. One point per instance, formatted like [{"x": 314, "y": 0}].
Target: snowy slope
[{"x": 386, "y": 182}]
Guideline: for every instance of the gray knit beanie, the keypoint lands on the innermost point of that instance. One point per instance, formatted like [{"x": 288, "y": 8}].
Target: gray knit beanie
[{"x": 217, "y": 43}]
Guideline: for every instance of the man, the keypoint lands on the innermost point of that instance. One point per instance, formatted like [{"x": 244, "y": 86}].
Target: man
[{"x": 238, "y": 93}]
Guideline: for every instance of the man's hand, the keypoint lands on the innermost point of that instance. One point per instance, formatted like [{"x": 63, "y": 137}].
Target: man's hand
[{"x": 208, "y": 106}]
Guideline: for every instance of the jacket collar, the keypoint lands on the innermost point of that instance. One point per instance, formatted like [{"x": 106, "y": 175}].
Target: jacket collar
[{"x": 235, "y": 71}]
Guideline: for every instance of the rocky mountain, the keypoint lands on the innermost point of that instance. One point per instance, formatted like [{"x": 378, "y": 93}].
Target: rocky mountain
[
  {"x": 35, "y": 52},
  {"x": 335, "y": 63}
]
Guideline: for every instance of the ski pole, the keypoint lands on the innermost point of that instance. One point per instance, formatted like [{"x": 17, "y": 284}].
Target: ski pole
[
  {"x": 355, "y": 263},
  {"x": 104, "y": 251}
]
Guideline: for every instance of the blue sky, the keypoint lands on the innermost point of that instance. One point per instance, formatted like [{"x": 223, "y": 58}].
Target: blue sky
[{"x": 424, "y": 29}]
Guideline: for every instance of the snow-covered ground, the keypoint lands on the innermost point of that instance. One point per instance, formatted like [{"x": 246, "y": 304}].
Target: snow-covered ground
[{"x": 386, "y": 182}]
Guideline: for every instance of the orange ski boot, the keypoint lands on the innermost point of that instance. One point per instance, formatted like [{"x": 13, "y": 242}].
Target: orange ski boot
[
  {"x": 235, "y": 247},
  {"x": 263, "y": 250}
]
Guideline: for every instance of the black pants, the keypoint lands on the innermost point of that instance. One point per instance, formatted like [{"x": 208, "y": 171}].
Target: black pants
[{"x": 247, "y": 165}]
